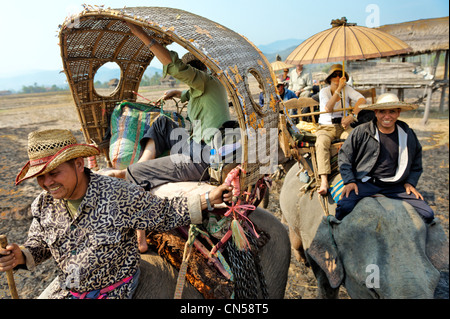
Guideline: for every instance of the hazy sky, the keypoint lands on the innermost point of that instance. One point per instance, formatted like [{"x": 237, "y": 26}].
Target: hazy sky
[{"x": 29, "y": 28}]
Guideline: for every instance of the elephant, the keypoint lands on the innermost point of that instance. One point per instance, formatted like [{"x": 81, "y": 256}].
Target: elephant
[
  {"x": 382, "y": 249},
  {"x": 158, "y": 279}
]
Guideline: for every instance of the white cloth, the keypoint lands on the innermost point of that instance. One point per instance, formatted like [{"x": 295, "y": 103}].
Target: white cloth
[
  {"x": 298, "y": 82},
  {"x": 402, "y": 156},
  {"x": 325, "y": 96}
]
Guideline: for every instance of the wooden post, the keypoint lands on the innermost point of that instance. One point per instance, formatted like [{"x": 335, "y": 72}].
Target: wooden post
[
  {"x": 445, "y": 86},
  {"x": 9, "y": 273},
  {"x": 430, "y": 89},
  {"x": 426, "y": 114}
]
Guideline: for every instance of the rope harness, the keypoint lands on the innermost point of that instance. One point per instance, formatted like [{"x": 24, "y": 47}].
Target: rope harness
[{"x": 245, "y": 269}]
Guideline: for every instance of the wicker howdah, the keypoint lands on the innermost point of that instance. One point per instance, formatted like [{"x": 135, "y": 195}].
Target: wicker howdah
[{"x": 99, "y": 35}]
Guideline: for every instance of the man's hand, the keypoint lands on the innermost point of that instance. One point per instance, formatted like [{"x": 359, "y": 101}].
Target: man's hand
[
  {"x": 11, "y": 257},
  {"x": 349, "y": 188},
  {"x": 346, "y": 121},
  {"x": 411, "y": 189},
  {"x": 170, "y": 94},
  {"x": 342, "y": 83},
  {"x": 218, "y": 195},
  {"x": 161, "y": 52},
  {"x": 139, "y": 32},
  {"x": 221, "y": 194}
]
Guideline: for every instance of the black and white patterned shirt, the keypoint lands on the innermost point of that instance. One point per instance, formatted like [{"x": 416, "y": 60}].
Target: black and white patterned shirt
[{"x": 98, "y": 246}]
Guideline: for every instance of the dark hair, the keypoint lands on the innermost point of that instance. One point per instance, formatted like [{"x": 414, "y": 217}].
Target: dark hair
[
  {"x": 328, "y": 79},
  {"x": 193, "y": 61}
]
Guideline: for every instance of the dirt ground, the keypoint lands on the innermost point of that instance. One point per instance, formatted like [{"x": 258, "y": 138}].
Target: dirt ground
[{"x": 22, "y": 114}]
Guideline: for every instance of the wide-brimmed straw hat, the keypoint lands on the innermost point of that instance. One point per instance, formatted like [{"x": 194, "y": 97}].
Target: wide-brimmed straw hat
[
  {"x": 335, "y": 67},
  {"x": 50, "y": 148},
  {"x": 281, "y": 82},
  {"x": 389, "y": 101}
]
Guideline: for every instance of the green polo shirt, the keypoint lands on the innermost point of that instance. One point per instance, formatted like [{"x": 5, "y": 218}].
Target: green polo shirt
[{"x": 208, "y": 100}]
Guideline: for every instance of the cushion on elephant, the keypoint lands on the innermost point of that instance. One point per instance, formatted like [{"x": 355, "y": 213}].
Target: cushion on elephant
[{"x": 185, "y": 189}]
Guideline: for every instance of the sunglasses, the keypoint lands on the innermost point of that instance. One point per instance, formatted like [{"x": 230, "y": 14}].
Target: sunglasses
[{"x": 336, "y": 73}]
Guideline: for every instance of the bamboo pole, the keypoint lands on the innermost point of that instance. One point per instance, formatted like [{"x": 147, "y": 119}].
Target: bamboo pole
[
  {"x": 323, "y": 112},
  {"x": 9, "y": 273}
]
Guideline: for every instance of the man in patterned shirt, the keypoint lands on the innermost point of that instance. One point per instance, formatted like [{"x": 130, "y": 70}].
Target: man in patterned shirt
[{"x": 87, "y": 221}]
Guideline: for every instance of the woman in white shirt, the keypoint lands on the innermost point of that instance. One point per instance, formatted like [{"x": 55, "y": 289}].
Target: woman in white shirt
[{"x": 334, "y": 125}]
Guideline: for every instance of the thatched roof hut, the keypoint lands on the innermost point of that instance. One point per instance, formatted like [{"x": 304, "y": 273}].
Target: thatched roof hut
[{"x": 424, "y": 36}]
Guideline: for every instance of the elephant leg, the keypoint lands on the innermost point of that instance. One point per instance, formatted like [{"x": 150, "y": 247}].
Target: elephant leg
[{"x": 297, "y": 247}]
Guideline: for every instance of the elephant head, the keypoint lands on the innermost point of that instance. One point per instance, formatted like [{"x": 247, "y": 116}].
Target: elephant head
[{"x": 382, "y": 249}]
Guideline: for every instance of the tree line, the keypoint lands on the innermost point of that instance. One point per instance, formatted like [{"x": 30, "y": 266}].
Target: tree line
[{"x": 155, "y": 79}]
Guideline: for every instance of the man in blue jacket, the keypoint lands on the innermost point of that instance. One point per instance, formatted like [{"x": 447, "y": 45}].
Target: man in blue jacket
[{"x": 383, "y": 156}]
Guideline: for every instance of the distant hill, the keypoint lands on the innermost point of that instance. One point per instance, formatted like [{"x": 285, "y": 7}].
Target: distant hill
[
  {"x": 58, "y": 78},
  {"x": 271, "y": 57},
  {"x": 281, "y": 47}
]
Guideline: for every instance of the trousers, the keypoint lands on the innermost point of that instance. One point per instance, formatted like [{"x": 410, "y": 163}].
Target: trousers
[
  {"x": 325, "y": 135},
  {"x": 188, "y": 160},
  {"x": 395, "y": 191}
]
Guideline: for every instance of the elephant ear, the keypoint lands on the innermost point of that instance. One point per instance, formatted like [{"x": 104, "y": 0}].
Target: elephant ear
[
  {"x": 324, "y": 252},
  {"x": 437, "y": 246}
]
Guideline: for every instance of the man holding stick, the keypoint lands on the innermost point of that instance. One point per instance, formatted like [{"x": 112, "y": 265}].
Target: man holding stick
[
  {"x": 87, "y": 221},
  {"x": 334, "y": 125}
]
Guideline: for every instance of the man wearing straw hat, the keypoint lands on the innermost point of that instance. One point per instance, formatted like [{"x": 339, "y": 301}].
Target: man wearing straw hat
[
  {"x": 334, "y": 124},
  {"x": 383, "y": 156},
  {"x": 87, "y": 221}
]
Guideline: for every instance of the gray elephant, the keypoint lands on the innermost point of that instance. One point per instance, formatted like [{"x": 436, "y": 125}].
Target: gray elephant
[
  {"x": 158, "y": 279},
  {"x": 382, "y": 249}
]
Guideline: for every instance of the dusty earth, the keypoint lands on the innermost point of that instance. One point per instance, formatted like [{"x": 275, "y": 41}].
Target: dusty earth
[{"x": 22, "y": 114}]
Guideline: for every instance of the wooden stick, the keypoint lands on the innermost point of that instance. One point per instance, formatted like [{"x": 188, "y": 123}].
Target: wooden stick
[
  {"x": 323, "y": 112},
  {"x": 9, "y": 273}
]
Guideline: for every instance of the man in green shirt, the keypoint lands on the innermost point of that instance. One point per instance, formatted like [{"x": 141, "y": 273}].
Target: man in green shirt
[{"x": 207, "y": 110}]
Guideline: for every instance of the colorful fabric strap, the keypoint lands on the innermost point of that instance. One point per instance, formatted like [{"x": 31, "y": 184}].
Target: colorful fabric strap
[
  {"x": 100, "y": 293},
  {"x": 336, "y": 190}
]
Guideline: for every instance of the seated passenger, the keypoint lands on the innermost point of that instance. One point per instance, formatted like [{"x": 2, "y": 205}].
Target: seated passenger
[
  {"x": 334, "y": 125},
  {"x": 383, "y": 156},
  {"x": 300, "y": 82},
  {"x": 207, "y": 110},
  {"x": 286, "y": 95}
]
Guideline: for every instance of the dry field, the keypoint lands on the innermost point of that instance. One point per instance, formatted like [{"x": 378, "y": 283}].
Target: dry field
[{"x": 22, "y": 114}]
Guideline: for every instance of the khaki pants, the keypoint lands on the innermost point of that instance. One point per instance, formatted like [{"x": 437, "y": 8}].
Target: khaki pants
[{"x": 325, "y": 135}]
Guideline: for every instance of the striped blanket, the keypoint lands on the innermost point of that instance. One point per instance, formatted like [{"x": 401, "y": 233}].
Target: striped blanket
[
  {"x": 129, "y": 121},
  {"x": 336, "y": 189}
]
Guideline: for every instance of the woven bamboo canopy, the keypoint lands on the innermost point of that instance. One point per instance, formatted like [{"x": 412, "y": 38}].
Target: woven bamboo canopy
[{"x": 98, "y": 35}]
